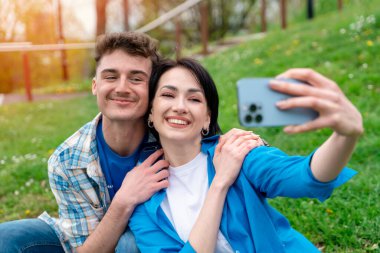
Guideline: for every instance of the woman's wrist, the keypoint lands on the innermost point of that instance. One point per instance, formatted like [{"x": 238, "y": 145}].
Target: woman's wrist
[{"x": 220, "y": 184}]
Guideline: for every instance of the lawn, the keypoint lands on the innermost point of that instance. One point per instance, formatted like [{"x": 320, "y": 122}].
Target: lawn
[{"x": 343, "y": 46}]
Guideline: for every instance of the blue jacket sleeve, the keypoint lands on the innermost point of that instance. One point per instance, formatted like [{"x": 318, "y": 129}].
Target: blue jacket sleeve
[
  {"x": 152, "y": 238},
  {"x": 275, "y": 173}
]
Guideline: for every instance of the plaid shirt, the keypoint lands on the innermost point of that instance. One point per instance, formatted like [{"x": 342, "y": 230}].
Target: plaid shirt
[{"x": 79, "y": 186}]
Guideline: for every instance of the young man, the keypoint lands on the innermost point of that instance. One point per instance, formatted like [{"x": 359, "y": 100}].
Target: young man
[{"x": 86, "y": 172}]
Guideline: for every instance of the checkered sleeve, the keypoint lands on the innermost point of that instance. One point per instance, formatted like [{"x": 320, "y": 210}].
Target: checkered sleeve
[{"x": 78, "y": 217}]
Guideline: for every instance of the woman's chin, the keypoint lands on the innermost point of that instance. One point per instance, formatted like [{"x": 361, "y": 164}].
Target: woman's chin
[{"x": 180, "y": 137}]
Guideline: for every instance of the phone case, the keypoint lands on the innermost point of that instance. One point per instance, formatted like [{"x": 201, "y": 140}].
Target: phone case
[{"x": 257, "y": 105}]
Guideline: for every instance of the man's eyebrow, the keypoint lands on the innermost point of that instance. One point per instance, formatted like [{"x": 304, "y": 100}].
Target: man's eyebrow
[
  {"x": 109, "y": 71},
  {"x": 135, "y": 72}
]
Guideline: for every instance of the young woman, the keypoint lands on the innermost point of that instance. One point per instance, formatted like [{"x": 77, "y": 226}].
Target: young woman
[{"x": 216, "y": 199}]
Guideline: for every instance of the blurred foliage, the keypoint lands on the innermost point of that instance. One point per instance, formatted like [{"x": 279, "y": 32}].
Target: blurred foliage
[
  {"x": 36, "y": 21},
  {"x": 227, "y": 18}
]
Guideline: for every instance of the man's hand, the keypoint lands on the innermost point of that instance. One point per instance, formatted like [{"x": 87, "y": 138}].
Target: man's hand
[
  {"x": 324, "y": 96},
  {"x": 144, "y": 180}
]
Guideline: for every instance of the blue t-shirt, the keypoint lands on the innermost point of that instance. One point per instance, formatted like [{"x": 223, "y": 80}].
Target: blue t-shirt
[{"x": 114, "y": 166}]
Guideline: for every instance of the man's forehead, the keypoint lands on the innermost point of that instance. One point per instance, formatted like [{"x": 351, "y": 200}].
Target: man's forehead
[{"x": 120, "y": 60}]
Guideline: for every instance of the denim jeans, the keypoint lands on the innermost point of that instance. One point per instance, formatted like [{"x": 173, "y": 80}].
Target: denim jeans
[
  {"x": 28, "y": 236},
  {"x": 36, "y": 236},
  {"x": 127, "y": 243}
]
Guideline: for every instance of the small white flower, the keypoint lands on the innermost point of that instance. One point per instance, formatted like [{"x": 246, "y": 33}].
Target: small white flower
[
  {"x": 371, "y": 19},
  {"x": 16, "y": 193},
  {"x": 342, "y": 31},
  {"x": 370, "y": 86},
  {"x": 365, "y": 65},
  {"x": 29, "y": 182},
  {"x": 30, "y": 156},
  {"x": 350, "y": 75}
]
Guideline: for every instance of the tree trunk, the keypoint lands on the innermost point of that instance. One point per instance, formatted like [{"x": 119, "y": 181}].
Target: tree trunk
[
  {"x": 310, "y": 9},
  {"x": 101, "y": 16},
  {"x": 126, "y": 15}
]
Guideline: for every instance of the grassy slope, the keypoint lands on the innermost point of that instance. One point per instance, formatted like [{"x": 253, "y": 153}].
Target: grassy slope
[
  {"x": 29, "y": 133},
  {"x": 348, "y": 222}
]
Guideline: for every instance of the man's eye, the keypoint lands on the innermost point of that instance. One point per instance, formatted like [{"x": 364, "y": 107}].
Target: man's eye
[
  {"x": 110, "y": 77},
  {"x": 135, "y": 80}
]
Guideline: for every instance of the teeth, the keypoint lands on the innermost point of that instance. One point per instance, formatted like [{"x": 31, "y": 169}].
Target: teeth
[{"x": 177, "y": 121}]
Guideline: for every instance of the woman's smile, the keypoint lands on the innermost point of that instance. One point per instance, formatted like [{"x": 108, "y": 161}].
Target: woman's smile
[{"x": 178, "y": 122}]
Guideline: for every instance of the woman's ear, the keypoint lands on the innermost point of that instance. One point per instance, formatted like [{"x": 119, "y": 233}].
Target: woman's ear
[
  {"x": 206, "y": 125},
  {"x": 150, "y": 120},
  {"x": 150, "y": 114}
]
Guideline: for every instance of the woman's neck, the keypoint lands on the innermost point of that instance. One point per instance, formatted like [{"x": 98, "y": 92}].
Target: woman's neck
[{"x": 180, "y": 153}]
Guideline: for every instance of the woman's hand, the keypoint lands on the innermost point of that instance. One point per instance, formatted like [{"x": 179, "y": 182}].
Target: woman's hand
[
  {"x": 323, "y": 95},
  {"x": 335, "y": 112},
  {"x": 230, "y": 153}
]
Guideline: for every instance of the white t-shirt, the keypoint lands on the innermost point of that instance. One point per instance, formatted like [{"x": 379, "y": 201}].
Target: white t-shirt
[{"x": 188, "y": 186}]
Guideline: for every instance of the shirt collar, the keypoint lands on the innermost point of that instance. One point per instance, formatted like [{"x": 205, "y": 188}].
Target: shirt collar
[{"x": 208, "y": 143}]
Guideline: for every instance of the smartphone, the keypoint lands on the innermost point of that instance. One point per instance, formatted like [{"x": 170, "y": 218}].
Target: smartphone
[{"x": 257, "y": 105}]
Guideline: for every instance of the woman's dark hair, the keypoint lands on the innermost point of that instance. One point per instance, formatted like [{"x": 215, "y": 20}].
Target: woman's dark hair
[{"x": 203, "y": 78}]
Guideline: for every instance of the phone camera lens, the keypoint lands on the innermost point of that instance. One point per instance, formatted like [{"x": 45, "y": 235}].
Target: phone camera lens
[
  {"x": 258, "y": 118},
  {"x": 253, "y": 108},
  {"x": 248, "y": 118}
]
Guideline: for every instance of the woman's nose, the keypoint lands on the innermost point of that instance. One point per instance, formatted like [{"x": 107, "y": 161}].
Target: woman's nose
[{"x": 180, "y": 106}]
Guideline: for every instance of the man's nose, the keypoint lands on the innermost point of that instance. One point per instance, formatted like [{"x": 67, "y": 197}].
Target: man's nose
[{"x": 123, "y": 85}]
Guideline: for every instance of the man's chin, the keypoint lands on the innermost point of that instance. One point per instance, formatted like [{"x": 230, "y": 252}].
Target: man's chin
[{"x": 123, "y": 117}]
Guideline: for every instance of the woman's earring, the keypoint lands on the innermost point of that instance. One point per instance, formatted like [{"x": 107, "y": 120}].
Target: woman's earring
[
  {"x": 150, "y": 123},
  {"x": 205, "y": 132}
]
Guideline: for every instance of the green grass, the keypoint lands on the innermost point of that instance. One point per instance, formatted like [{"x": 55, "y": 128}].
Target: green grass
[
  {"x": 29, "y": 133},
  {"x": 347, "y": 222},
  {"x": 350, "y": 220}
]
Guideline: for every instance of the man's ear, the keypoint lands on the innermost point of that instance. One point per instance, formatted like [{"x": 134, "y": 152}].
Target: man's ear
[{"x": 94, "y": 86}]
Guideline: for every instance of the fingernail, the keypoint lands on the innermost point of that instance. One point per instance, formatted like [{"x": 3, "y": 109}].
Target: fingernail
[
  {"x": 280, "y": 103},
  {"x": 274, "y": 82}
]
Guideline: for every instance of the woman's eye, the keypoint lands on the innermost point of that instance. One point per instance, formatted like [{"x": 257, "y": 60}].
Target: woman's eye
[
  {"x": 167, "y": 95},
  {"x": 195, "y": 100}
]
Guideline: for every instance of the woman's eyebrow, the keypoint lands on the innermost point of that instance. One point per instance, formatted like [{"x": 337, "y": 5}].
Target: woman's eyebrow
[
  {"x": 173, "y": 88},
  {"x": 170, "y": 87}
]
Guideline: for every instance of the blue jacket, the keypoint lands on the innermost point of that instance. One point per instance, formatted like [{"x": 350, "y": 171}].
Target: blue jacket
[{"x": 248, "y": 222}]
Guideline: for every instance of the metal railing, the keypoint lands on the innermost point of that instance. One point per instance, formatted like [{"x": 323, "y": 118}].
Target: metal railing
[{"x": 25, "y": 47}]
